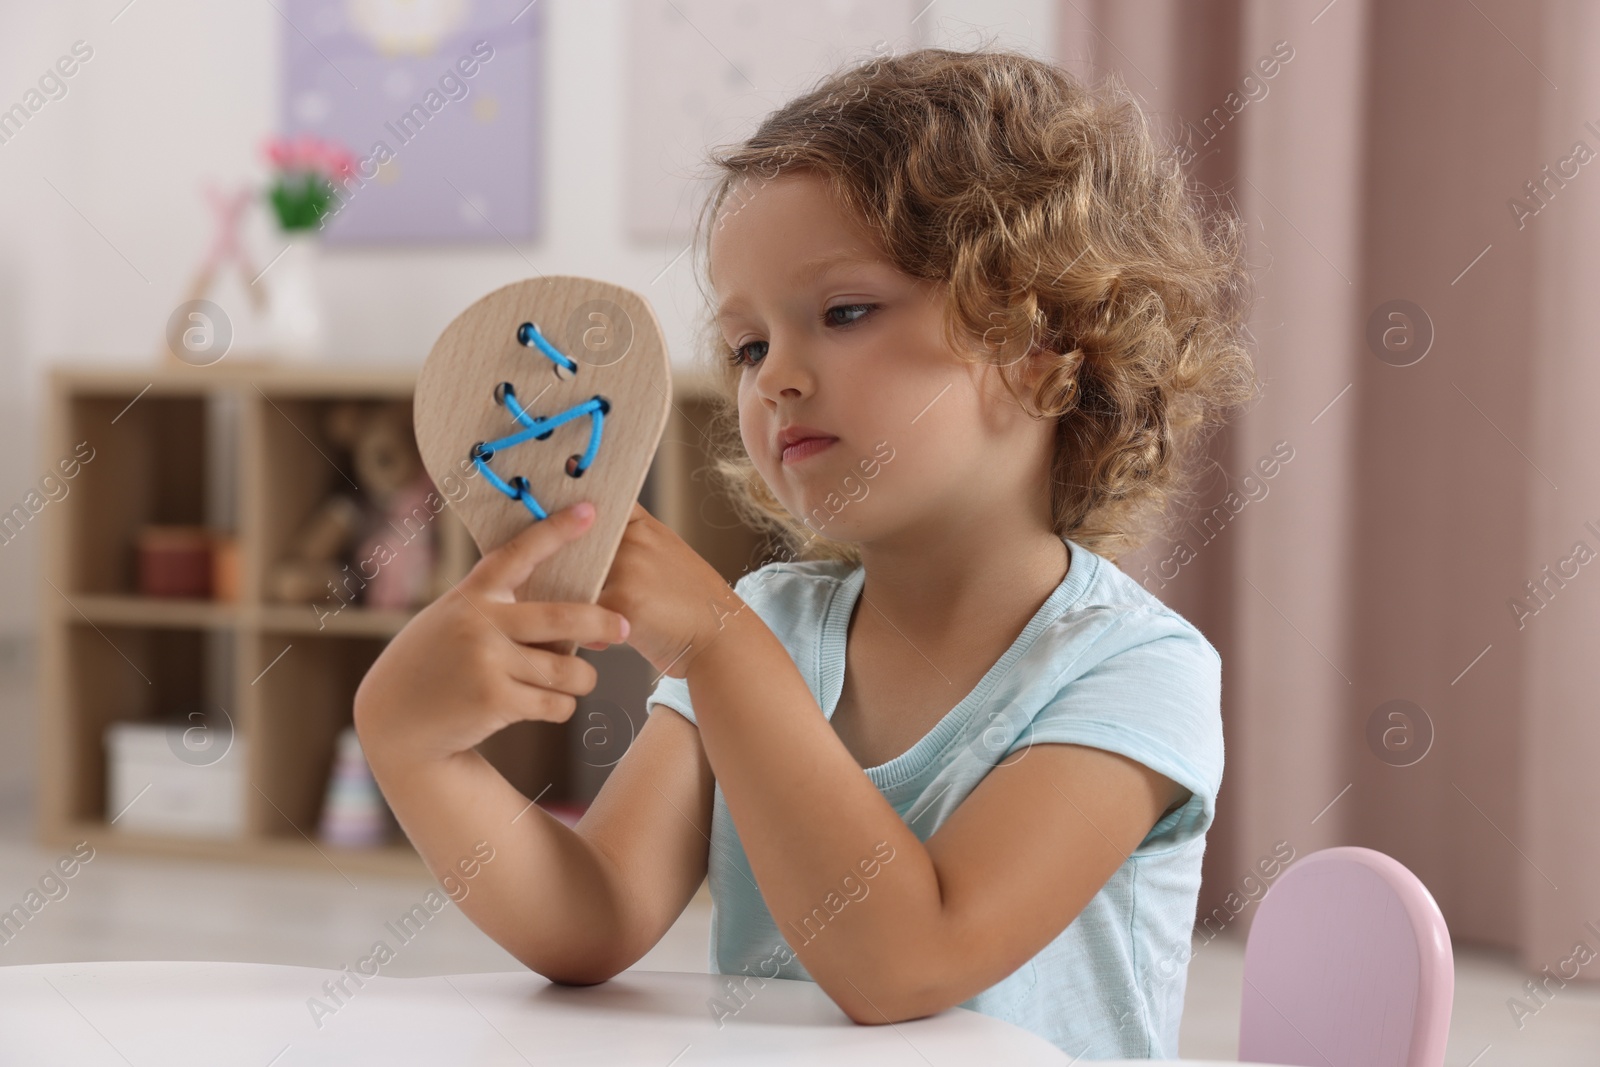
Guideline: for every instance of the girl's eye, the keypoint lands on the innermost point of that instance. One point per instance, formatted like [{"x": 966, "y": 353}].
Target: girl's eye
[
  {"x": 847, "y": 314},
  {"x": 748, "y": 355},
  {"x": 744, "y": 357}
]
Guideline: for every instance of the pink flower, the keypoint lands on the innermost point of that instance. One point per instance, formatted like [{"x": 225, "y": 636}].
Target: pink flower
[
  {"x": 277, "y": 152},
  {"x": 308, "y": 154},
  {"x": 341, "y": 161}
]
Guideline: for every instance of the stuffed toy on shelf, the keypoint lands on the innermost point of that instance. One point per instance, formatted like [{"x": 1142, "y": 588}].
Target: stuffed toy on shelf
[{"x": 377, "y": 548}]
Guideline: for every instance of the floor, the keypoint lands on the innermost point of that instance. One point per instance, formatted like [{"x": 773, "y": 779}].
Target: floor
[{"x": 126, "y": 907}]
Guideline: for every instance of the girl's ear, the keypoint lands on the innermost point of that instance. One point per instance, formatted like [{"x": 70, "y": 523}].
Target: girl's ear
[
  {"x": 1035, "y": 365},
  {"x": 1042, "y": 363},
  {"x": 1023, "y": 375}
]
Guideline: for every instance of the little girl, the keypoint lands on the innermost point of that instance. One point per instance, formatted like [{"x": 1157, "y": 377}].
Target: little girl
[{"x": 974, "y": 325}]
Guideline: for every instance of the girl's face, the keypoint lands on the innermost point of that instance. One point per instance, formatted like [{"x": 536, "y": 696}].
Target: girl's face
[{"x": 833, "y": 339}]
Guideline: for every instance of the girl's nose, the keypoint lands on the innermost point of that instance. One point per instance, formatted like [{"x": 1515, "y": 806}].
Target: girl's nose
[{"x": 785, "y": 370}]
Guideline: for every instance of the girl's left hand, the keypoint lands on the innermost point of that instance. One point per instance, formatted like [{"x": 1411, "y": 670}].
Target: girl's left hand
[{"x": 673, "y": 599}]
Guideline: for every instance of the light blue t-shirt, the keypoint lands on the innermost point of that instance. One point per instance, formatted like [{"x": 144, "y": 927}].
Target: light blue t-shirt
[{"x": 1103, "y": 663}]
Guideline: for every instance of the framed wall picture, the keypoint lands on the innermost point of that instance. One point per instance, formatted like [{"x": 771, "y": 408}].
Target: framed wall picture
[
  {"x": 704, "y": 72},
  {"x": 440, "y": 102}
]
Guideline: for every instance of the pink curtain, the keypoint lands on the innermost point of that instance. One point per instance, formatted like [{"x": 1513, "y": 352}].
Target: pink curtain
[{"x": 1408, "y": 605}]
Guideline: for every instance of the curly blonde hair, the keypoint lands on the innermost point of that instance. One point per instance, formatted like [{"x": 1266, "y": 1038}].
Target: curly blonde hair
[{"x": 1064, "y": 231}]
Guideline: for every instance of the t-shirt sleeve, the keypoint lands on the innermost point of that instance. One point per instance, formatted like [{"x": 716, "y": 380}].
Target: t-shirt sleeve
[
  {"x": 674, "y": 692},
  {"x": 1157, "y": 699}
]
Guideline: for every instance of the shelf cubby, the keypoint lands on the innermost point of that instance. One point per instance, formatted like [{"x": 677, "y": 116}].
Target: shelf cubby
[
  {"x": 146, "y": 465},
  {"x": 126, "y": 673},
  {"x": 302, "y": 689}
]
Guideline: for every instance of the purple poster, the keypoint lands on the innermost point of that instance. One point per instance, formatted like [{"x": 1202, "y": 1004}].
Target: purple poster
[{"x": 439, "y": 103}]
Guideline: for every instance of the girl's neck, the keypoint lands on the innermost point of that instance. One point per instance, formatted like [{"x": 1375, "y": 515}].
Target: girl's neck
[{"x": 982, "y": 574}]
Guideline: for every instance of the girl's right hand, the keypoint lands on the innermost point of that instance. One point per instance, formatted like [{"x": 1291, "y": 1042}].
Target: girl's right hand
[{"x": 467, "y": 665}]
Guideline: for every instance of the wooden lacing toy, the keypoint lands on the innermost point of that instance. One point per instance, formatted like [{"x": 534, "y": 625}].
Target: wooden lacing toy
[{"x": 588, "y": 353}]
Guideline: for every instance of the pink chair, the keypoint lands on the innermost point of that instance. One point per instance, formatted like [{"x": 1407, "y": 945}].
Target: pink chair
[{"x": 1348, "y": 964}]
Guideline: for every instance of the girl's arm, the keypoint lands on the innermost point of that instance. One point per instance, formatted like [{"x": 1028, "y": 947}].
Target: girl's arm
[
  {"x": 577, "y": 906},
  {"x": 574, "y": 905},
  {"x": 941, "y": 921}
]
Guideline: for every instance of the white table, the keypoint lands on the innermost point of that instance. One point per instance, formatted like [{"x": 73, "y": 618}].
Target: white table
[
  {"x": 253, "y": 1015},
  {"x": 257, "y": 1015}
]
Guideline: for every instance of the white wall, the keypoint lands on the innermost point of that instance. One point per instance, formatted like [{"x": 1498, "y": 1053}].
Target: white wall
[{"x": 180, "y": 91}]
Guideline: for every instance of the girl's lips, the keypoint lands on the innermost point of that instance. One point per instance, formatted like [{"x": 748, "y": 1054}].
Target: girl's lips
[{"x": 809, "y": 446}]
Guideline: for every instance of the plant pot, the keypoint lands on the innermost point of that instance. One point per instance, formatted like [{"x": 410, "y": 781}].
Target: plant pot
[{"x": 295, "y": 314}]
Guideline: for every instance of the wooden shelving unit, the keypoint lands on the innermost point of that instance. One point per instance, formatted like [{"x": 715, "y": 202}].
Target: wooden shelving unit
[{"x": 239, "y": 448}]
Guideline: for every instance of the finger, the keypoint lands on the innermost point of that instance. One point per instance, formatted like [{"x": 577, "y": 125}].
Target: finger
[
  {"x": 533, "y": 703},
  {"x": 538, "y": 622},
  {"x": 505, "y": 569},
  {"x": 552, "y": 671}
]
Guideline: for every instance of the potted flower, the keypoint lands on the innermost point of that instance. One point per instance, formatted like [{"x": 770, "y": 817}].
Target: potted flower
[{"x": 306, "y": 176}]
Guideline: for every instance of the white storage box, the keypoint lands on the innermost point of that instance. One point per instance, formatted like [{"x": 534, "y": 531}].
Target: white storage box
[{"x": 177, "y": 780}]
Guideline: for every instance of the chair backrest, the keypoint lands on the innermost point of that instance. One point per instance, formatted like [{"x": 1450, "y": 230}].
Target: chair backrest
[{"x": 1348, "y": 964}]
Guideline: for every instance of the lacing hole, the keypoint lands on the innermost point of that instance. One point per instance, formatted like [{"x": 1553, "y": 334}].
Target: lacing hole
[
  {"x": 520, "y": 484},
  {"x": 562, "y": 373},
  {"x": 479, "y": 452},
  {"x": 573, "y": 470},
  {"x": 525, "y": 334},
  {"x": 605, "y": 405},
  {"x": 502, "y": 391},
  {"x": 544, "y": 436}
]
